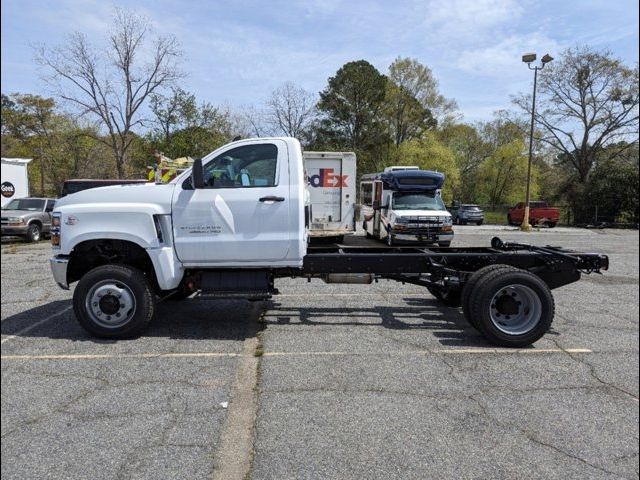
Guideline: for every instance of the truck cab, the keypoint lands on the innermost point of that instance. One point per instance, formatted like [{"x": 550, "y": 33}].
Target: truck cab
[{"x": 405, "y": 205}]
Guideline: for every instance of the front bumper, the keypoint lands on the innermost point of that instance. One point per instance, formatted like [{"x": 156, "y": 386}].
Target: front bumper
[
  {"x": 59, "y": 269},
  {"x": 423, "y": 237}
]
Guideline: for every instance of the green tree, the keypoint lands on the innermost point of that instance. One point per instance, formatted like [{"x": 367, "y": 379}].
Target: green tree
[
  {"x": 502, "y": 176},
  {"x": 429, "y": 153},
  {"x": 351, "y": 105},
  {"x": 414, "y": 102},
  {"x": 184, "y": 128},
  {"x": 470, "y": 150},
  {"x": 611, "y": 193},
  {"x": 60, "y": 147}
]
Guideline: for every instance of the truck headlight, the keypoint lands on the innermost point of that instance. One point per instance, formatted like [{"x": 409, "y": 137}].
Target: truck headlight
[
  {"x": 447, "y": 222},
  {"x": 15, "y": 221}
]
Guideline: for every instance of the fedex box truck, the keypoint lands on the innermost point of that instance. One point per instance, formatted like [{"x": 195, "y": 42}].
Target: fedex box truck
[{"x": 331, "y": 182}]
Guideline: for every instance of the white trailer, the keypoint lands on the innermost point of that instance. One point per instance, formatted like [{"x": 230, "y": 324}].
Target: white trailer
[
  {"x": 15, "y": 181},
  {"x": 331, "y": 179}
]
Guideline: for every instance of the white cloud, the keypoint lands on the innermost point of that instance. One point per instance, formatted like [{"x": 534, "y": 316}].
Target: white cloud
[
  {"x": 468, "y": 18},
  {"x": 504, "y": 59}
]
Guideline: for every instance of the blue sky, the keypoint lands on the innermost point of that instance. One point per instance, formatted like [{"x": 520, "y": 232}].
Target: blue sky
[{"x": 237, "y": 52}]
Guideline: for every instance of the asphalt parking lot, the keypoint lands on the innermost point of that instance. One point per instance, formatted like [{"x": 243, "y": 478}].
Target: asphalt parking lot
[{"x": 324, "y": 381}]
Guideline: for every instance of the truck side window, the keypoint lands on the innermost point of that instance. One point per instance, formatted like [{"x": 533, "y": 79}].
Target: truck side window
[
  {"x": 367, "y": 194},
  {"x": 243, "y": 167}
]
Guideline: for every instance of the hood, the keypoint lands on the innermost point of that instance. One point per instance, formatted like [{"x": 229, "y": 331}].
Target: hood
[
  {"x": 19, "y": 213},
  {"x": 142, "y": 194}
]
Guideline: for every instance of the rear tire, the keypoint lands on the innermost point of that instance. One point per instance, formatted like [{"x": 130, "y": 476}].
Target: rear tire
[
  {"x": 512, "y": 308},
  {"x": 471, "y": 285},
  {"x": 33, "y": 233},
  {"x": 114, "y": 301}
]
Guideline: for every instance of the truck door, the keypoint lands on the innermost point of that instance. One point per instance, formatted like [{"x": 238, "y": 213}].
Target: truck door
[{"x": 242, "y": 216}]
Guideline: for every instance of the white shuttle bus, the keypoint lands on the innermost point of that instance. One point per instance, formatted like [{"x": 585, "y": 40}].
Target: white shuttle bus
[{"x": 403, "y": 204}]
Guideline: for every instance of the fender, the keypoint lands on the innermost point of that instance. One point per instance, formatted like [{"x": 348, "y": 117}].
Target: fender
[{"x": 129, "y": 222}]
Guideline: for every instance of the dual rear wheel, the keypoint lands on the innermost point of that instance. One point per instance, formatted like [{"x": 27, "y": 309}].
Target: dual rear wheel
[{"x": 510, "y": 307}]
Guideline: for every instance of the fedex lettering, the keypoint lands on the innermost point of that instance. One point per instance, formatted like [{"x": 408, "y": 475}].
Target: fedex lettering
[{"x": 326, "y": 178}]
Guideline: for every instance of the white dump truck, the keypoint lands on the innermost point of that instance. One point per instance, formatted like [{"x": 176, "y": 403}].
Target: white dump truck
[
  {"x": 235, "y": 223},
  {"x": 331, "y": 178}
]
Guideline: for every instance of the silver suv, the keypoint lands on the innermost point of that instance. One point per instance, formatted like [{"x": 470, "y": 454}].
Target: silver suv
[{"x": 27, "y": 217}]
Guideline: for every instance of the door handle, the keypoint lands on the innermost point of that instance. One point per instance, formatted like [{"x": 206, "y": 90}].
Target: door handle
[{"x": 271, "y": 198}]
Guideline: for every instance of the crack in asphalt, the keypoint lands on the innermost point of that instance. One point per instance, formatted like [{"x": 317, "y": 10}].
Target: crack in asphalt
[
  {"x": 529, "y": 434},
  {"x": 155, "y": 441},
  {"x": 592, "y": 371},
  {"x": 59, "y": 409},
  {"x": 533, "y": 437}
]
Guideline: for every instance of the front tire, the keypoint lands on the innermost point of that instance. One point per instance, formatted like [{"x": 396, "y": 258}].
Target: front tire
[
  {"x": 114, "y": 301},
  {"x": 512, "y": 308},
  {"x": 33, "y": 233}
]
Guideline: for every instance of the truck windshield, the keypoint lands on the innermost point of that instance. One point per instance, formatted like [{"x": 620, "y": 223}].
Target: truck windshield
[
  {"x": 417, "y": 201},
  {"x": 32, "y": 204}
]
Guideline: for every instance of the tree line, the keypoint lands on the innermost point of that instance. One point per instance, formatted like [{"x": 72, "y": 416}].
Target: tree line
[{"x": 113, "y": 110}]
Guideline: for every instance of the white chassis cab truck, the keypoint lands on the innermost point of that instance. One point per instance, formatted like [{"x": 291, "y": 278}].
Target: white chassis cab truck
[
  {"x": 236, "y": 221},
  {"x": 331, "y": 178}
]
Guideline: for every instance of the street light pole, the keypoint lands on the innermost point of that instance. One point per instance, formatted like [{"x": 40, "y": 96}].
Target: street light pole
[{"x": 528, "y": 58}]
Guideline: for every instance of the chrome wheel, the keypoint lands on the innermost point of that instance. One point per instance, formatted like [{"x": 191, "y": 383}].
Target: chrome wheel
[
  {"x": 515, "y": 309},
  {"x": 110, "y": 304}
]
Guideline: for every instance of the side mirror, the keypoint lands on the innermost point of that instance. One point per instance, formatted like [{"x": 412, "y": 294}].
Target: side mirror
[
  {"x": 197, "y": 176},
  {"x": 376, "y": 204}
]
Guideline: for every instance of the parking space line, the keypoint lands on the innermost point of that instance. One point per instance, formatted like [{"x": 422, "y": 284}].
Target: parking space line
[
  {"x": 111, "y": 356},
  {"x": 448, "y": 351},
  {"x": 37, "y": 324}
]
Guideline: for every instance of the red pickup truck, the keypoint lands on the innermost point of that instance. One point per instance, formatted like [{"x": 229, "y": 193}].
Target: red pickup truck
[{"x": 539, "y": 214}]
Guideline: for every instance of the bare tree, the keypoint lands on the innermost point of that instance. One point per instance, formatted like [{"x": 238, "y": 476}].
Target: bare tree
[
  {"x": 290, "y": 110},
  {"x": 588, "y": 101},
  {"x": 112, "y": 87}
]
